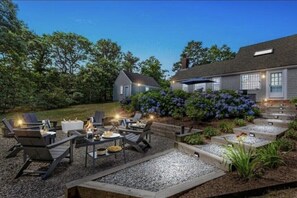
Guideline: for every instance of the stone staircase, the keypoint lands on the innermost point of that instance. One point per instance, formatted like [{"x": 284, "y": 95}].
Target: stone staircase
[{"x": 272, "y": 125}]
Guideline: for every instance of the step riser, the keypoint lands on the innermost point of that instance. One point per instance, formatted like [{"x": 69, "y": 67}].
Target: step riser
[
  {"x": 204, "y": 156},
  {"x": 266, "y": 136},
  {"x": 277, "y": 110},
  {"x": 221, "y": 141},
  {"x": 280, "y": 117},
  {"x": 265, "y": 122}
]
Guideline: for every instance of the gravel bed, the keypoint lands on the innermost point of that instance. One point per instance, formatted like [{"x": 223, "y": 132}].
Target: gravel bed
[
  {"x": 54, "y": 186},
  {"x": 263, "y": 129},
  {"x": 160, "y": 173},
  {"x": 247, "y": 140},
  {"x": 215, "y": 149}
]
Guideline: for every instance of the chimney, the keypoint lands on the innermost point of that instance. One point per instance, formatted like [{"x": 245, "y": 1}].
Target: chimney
[{"x": 185, "y": 63}]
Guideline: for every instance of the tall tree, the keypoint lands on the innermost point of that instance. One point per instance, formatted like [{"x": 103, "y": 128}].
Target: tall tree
[
  {"x": 130, "y": 62},
  {"x": 69, "y": 51},
  {"x": 153, "y": 68},
  {"x": 216, "y": 54},
  {"x": 199, "y": 55}
]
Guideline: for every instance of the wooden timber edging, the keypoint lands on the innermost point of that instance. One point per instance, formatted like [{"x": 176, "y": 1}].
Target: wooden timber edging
[
  {"x": 169, "y": 130},
  {"x": 88, "y": 188},
  {"x": 259, "y": 191}
]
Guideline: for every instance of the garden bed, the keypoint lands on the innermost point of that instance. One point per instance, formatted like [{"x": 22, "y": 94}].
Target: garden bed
[{"x": 230, "y": 185}]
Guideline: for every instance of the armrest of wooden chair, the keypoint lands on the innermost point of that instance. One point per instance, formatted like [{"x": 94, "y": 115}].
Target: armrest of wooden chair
[{"x": 71, "y": 138}]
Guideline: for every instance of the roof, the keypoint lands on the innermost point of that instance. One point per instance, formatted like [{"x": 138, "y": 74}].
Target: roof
[
  {"x": 284, "y": 54},
  {"x": 142, "y": 79}
]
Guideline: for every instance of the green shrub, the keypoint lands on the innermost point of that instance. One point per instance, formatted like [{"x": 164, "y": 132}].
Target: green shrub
[
  {"x": 239, "y": 122},
  {"x": 208, "y": 132},
  {"x": 243, "y": 160},
  {"x": 194, "y": 139},
  {"x": 292, "y": 134},
  {"x": 250, "y": 118},
  {"x": 269, "y": 155},
  {"x": 286, "y": 144},
  {"x": 226, "y": 127},
  {"x": 294, "y": 100},
  {"x": 293, "y": 125}
]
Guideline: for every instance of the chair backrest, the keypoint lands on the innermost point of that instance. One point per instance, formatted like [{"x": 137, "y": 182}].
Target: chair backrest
[
  {"x": 30, "y": 118},
  {"x": 98, "y": 117},
  {"x": 34, "y": 144},
  {"x": 137, "y": 116},
  {"x": 8, "y": 125},
  {"x": 146, "y": 130}
]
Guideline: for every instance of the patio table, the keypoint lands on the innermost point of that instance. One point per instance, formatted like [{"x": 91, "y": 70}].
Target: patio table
[{"x": 93, "y": 143}]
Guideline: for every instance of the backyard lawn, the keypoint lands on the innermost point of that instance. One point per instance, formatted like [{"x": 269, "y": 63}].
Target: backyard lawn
[{"x": 81, "y": 112}]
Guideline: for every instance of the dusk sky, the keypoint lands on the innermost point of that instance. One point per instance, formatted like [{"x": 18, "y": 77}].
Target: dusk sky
[{"x": 163, "y": 28}]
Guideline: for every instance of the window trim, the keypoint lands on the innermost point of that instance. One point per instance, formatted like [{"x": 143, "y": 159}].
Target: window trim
[
  {"x": 121, "y": 89},
  {"x": 259, "y": 77},
  {"x": 219, "y": 83},
  {"x": 184, "y": 86}
]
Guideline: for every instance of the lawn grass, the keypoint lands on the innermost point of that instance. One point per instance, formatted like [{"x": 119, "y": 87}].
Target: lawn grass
[{"x": 81, "y": 112}]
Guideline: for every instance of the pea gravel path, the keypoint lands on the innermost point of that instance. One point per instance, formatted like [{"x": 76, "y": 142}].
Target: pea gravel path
[{"x": 34, "y": 186}]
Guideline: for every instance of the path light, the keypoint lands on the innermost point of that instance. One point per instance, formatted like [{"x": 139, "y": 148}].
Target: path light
[
  {"x": 117, "y": 116},
  {"x": 151, "y": 117},
  {"x": 20, "y": 122}
]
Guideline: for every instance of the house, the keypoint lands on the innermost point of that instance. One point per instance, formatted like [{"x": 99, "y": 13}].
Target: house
[
  {"x": 266, "y": 70},
  {"x": 128, "y": 84}
]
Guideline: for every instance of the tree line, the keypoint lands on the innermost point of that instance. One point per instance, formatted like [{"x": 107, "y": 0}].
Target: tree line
[{"x": 61, "y": 69}]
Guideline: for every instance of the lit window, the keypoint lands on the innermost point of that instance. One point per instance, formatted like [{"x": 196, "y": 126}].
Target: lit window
[
  {"x": 121, "y": 89},
  {"x": 263, "y": 52},
  {"x": 147, "y": 88},
  {"x": 185, "y": 87},
  {"x": 216, "y": 85},
  {"x": 250, "y": 81},
  {"x": 200, "y": 86}
]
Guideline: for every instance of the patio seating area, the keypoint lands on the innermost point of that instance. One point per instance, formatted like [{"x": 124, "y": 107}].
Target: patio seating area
[{"x": 54, "y": 186}]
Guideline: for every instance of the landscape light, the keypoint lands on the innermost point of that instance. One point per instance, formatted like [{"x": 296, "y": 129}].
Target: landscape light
[
  {"x": 117, "y": 116},
  {"x": 151, "y": 117},
  {"x": 20, "y": 122}
]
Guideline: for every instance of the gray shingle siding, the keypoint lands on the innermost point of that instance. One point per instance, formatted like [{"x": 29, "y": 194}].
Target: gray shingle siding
[
  {"x": 230, "y": 82},
  {"x": 292, "y": 83}
]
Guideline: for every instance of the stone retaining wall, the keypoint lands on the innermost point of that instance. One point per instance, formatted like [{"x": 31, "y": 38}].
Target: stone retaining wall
[{"x": 168, "y": 130}]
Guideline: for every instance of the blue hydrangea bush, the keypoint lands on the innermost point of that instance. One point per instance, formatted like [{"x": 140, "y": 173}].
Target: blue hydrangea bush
[{"x": 198, "y": 105}]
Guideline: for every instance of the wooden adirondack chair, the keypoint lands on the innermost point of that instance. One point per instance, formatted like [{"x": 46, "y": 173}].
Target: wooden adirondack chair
[
  {"x": 37, "y": 150},
  {"x": 31, "y": 120},
  {"x": 15, "y": 149},
  {"x": 98, "y": 119},
  {"x": 136, "y": 137}
]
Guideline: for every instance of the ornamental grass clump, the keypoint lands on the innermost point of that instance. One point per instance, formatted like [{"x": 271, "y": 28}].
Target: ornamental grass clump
[
  {"x": 243, "y": 160},
  {"x": 269, "y": 156},
  {"x": 194, "y": 139},
  {"x": 292, "y": 134},
  {"x": 239, "y": 122},
  {"x": 226, "y": 127},
  {"x": 250, "y": 118},
  {"x": 293, "y": 125},
  {"x": 209, "y": 132},
  {"x": 286, "y": 144}
]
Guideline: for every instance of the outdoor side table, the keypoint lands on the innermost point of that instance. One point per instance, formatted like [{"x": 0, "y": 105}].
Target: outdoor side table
[
  {"x": 93, "y": 153},
  {"x": 72, "y": 125}
]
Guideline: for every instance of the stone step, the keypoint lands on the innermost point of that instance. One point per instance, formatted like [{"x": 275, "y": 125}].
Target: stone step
[
  {"x": 248, "y": 141},
  {"x": 274, "y": 122},
  {"x": 210, "y": 153},
  {"x": 280, "y": 116},
  {"x": 284, "y": 110},
  {"x": 261, "y": 131}
]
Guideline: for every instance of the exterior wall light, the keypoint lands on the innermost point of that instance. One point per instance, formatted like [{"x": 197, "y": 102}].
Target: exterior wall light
[
  {"x": 263, "y": 76},
  {"x": 138, "y": 84}
]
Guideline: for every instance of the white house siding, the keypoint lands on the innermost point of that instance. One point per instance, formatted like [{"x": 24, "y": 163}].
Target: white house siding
[{"x": 292, "y": 83}]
